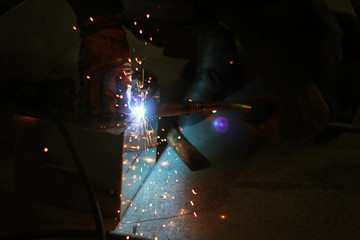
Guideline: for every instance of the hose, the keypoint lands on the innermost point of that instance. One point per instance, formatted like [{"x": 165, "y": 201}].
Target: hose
[{"x": 83, "y": 175}]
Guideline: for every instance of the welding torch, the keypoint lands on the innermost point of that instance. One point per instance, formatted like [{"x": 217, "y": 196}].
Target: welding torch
[{"x": 256, "y": 112}]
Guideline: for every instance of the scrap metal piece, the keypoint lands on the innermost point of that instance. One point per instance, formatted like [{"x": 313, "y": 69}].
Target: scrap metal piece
[{"x": 185, "y": 150}]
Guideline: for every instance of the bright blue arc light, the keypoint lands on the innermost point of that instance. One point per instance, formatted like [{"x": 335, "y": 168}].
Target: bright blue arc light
[{"x": 138, "y": 112}]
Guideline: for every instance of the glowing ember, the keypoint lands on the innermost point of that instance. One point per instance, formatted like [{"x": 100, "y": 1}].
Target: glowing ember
[
  {"x": 148, "y": 15},
  {"x": 46, "y": 149},
  {"x": 195, "y": 215},
  {"x": 222, "y": 216},
  {"x": 91, "y": 19},
  {"x": 231, "y": 62},
  {"x": 74, "y": 28},
  {"x": 193, "y": 191}
]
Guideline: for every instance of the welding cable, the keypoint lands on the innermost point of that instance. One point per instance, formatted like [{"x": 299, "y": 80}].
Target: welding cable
[
  {"x": 83, "y": 175},
  {"x": 65, "y": 233}
]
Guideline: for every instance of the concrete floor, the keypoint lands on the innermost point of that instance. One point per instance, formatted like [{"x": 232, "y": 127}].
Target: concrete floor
[{"x": 265, "y": 189}]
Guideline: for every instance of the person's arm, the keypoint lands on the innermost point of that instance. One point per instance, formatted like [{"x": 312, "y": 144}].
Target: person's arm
[{"x": 104, "y": 64}]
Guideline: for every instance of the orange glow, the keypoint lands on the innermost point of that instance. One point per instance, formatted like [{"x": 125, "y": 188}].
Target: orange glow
[
  {"x": 74, "y": 28},
  {"x": 118, "y": 211},
  {"x": 135, "y": 23},
  {"x": 148, "y": 15},
  {"x": 46, "y": 149},
  {"x": 222, "y": 216},
  {"x": 193, "y": 191},
  {"x": 127, "y": 237},
  {"x": 192, "y": 203},
  {"x": 91, "y": 19},
  {"x": 121, "y": 96},
  {"x": 129, "y": 59},
  {"x": 87, "y": 77},
  {"x": 156, "y": 238},
  {"x": 231, "y": 62},
  {"x": 140, "y": 31},
  {"x": 195, "y": 215},
  {"x": 150, "y": 38}
]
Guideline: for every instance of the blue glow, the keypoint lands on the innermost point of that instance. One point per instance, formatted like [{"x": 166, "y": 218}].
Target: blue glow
[
  {"x": 221, "y": 124},
  {"x": 138, "y": 112}
]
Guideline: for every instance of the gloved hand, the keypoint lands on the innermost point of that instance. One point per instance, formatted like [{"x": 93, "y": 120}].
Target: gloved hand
[
  {"x": 104, "y": 67},
  {"x": 295, "y": 120}
]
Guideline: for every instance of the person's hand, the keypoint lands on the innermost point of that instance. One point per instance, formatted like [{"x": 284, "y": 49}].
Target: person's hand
[
  {"x": 296, "y": 120},
  {"x": 104, "y": 67}
]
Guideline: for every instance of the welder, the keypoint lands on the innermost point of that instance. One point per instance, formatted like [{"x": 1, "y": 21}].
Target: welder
[{"x": 307, "y": 56}]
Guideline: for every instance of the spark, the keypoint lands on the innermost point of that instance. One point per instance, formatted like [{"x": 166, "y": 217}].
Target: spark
[
  {"x": 148, "y": 15},
  {"x": 74, "y": 28},
  {"x": 214, "y": 111},
  {"x": 91, "y": 19},
  {"x": 46, "y": 149},
  {"x": 195, "y": 215},
  {"x": 135, "y": 23},
  {"x": 87, "y": 77},
  {"x": 193, "y": 191},
  {"x": 222, "y": 216},
  {"x": 140, "y": 31},
  {"x": 231, "y": 62},
  {"x": 166, "y": 163},
  {"x": 192, "y": 203}
]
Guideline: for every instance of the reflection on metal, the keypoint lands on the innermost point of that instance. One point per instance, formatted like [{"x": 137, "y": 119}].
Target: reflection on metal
[
  {"x": 186, "y": 151},
  {"x": 139, "y": 157}
]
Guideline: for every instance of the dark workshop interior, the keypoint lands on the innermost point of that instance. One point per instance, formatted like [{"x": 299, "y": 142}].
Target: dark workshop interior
[{"x": 180, "y": 119}]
